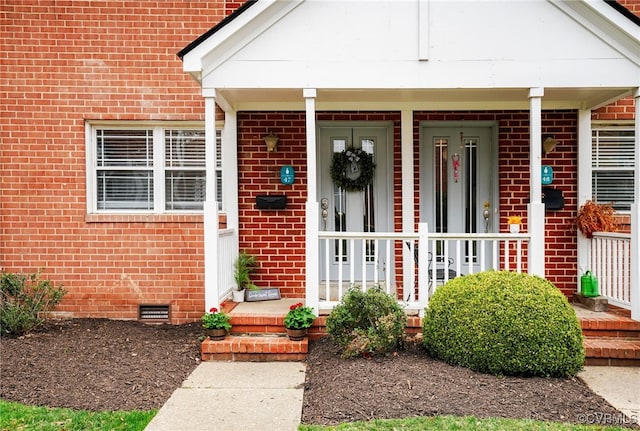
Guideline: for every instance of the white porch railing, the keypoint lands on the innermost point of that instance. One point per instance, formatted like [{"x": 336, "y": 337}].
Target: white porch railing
[
  {"x": 227, "y": 253},
  {"x": 396, "y": 262},
  {"x": 611, "y": 264}
]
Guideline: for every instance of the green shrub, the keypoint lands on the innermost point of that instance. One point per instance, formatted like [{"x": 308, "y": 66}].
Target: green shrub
[
  {"x": 25, "y": 300},
  {"x": 504, "y": 323},
  {"x": 367, "y": 322}
]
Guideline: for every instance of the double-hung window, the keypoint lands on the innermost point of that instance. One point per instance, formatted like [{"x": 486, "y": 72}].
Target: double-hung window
[
  {"x": 148, "y": 169},
  {"x": 613, "y": 165}
]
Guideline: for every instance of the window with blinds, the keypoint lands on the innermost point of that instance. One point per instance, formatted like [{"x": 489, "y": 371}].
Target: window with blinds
[
  {"x": 156, "y": 169},
  {"x": 612, "y": 165},
  {"x": 184, "y": 169},
  {"x": 124, "y": 171}
]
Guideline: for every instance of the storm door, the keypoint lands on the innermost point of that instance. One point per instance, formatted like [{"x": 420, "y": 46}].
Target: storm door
[
  {"x": 359, "y": 205},
  {"x": 457, "y": 191}
]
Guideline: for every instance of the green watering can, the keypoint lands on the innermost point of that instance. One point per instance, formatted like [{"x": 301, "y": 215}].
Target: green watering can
[{"x": 589, "y": 285}]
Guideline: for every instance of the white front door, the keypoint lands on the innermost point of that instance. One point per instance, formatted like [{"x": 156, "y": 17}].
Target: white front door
[
  {"x": 368, "y": 210},
  {"x": 457, "y": 192}
]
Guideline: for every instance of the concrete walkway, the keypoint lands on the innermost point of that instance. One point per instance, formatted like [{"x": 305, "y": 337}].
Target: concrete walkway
[
  {"x": 620, "y": 386},
  {"x": 239, "y": 396},
  {"x": 235, "y": 396}
]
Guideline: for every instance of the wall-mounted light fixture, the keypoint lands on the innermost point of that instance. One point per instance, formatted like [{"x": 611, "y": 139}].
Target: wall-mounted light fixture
[
  {"x": 272, "y": 142},
  {"x": 548, "y": 144}
]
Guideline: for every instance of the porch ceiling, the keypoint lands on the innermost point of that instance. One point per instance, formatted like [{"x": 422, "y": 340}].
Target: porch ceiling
[{"x": 252, "y": 99}]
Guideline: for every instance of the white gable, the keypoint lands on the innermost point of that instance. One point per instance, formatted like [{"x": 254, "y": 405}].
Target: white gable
[{"x": 377, "y": 45}]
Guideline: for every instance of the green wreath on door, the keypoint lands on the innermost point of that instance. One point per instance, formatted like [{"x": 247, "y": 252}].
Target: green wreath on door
[{"x": 352, "y": 169}]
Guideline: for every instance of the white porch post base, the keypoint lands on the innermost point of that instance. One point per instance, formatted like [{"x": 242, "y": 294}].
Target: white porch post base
[
  {"x": 312, "y": 298},
  {"x": 536, "y": 243},
  {"x": 423, "y": 267},
  {"x": 211, "y": 297}
]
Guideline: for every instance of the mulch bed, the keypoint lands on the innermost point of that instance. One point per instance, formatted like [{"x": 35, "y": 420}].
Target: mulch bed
[
  {"x": 98, "y": 364},
  {"x": 410, "y": 383}
]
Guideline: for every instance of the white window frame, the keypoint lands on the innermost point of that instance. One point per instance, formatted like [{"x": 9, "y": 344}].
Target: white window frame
[
  {"x": 159, "y": 168},
  {"x": 602, "y": 162}
]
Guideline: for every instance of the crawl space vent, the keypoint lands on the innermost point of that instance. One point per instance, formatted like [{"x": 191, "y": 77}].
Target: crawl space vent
[{"x": 154, "y": 312}]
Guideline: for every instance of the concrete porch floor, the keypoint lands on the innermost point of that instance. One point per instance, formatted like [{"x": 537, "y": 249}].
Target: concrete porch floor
[
  {"x": 276, "y": 307},
  {"x": 280, "y": 307}
]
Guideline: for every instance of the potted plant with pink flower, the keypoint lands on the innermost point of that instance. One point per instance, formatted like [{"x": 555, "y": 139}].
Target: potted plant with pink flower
[
  {"x": 298, "y": 321},
  {"x": 216, "y": 323}
]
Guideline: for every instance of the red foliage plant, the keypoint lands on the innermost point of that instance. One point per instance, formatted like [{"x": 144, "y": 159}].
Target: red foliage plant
[{"x": 593, "y": 217}]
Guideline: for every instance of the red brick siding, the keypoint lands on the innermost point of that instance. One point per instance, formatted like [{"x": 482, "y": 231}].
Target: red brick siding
[
  {"x": 623, "y": 110},
  {"x": 65, "y": 62},
  {"x": 513, "y": 166},
  {"x": 632, "y": 5},
  {"x": 277, "y": 237}
]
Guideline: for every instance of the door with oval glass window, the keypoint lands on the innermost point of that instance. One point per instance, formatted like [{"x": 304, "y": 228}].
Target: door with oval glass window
[
  {"x": 366, "y": 210},
  {"x": 457, "y": 192}
]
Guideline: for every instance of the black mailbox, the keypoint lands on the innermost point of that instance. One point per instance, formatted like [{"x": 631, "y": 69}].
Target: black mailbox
[
  {"x": 271, "y": 202},
  {"x": 553, "y": 199}
]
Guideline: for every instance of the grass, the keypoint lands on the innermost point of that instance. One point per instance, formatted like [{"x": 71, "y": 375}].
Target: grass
[
  {"x": 18, "y": 417},
  {"x": 450, "y": 423}
]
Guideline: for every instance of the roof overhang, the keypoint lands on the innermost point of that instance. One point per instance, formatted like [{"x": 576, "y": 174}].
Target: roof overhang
[
  {"x": 586, "y": 55},
  {"x": 291, "y": 99}
]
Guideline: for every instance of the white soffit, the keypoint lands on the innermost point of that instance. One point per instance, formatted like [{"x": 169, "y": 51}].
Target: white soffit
[{"x": 418, "y": 99}]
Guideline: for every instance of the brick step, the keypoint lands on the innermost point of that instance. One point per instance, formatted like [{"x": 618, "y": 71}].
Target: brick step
[
  {"x": 242, "y": 324},
  {"x": 610, "y": 326},
  {"x": 254, "y": 348},
  {"x": 614, "y": 351}
]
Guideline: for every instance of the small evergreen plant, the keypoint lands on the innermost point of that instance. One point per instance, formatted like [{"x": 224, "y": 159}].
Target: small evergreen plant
[
  {"x": 25, "y": 301},
  {"x": 504, "y": 323},
  {"x": 367, "y": 322}
]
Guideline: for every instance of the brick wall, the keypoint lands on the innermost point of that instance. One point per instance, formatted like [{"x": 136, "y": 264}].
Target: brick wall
[
  {"x": 65, "y": 62},
  {"x": 277, "y": 237},
  {"x": 623, "y": 109},
  {"x": 513, "y": 167},
  {"x": 632, "y": 5}
]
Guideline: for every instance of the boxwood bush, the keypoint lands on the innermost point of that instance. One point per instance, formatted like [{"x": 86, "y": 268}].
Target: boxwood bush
[
  {"x": 367, "y": 322},
  {"x": 504, "y": 323}
]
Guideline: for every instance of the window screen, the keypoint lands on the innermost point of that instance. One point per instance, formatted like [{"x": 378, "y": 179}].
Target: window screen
[
  {"x": 124, "y": 174},
  {"x": 185, "y": 169},
  {"x": 151, "y": 169},
  {"x": 612, "y": 166}
]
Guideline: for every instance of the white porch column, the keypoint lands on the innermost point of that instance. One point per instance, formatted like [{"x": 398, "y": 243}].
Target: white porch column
[
  {"x": 536, "y": 253},
  {"x": 408, "y": 204},
  {"x": 230, "y": 171},
  {"x": 312, "y": 298},
  {"x": 635, "y": 219},
  {"x": 584, "y": 188},
  {"x": 210, "y": 205}
]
